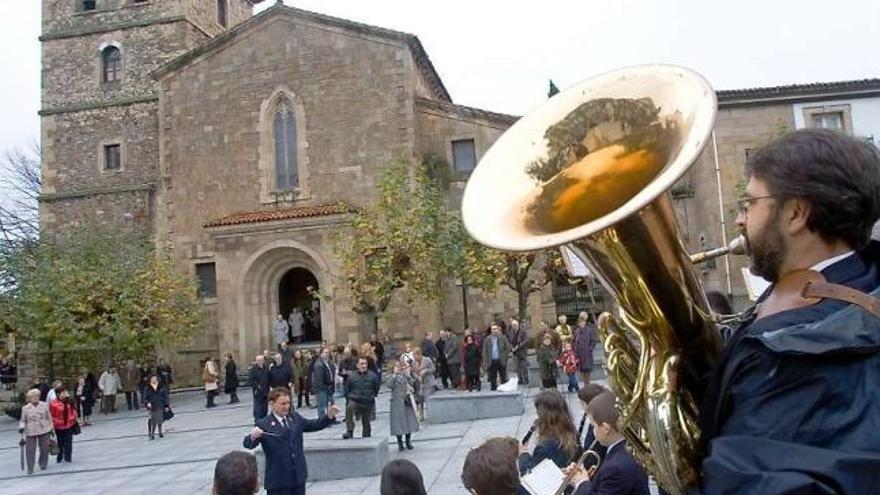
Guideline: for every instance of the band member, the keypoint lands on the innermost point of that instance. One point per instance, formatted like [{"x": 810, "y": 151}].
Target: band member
[
  {"x": 618, "y": 473},
  {"x": 281, "y": 435},
  {"x": 791, "y": 407}
]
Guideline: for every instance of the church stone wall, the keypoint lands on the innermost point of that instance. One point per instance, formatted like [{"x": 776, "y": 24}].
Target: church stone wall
[{"x": 354, "y": 121}]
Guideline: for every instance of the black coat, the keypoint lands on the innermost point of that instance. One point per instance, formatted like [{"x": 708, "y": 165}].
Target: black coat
[
  {"x": 362, "y": 389},
  {"x": 258, "y": 379},
  {"x": 156, "y": 399},
  {"x": 792, "y": 405},
  {"x": 472, "y": 356},
  {"x": 285, "y": 459},
  {"x": 280, "y": 375},
  {"x": 322, "y": 376},
  {"x": 429, "y": 349},
  {"x": 618, "y": 474},
  {"x": 230, "y": 384},
  {"x": 545, "y": 449}
]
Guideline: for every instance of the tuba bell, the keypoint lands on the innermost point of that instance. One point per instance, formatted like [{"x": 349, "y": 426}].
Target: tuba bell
[{"x": 590, "y": 170}]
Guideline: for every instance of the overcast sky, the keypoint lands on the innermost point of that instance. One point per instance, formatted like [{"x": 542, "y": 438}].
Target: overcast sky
[{"x": 498, "y": 55}]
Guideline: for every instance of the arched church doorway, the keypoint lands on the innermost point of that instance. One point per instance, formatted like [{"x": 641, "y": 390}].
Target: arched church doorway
[{"x": 298, "y": 295}]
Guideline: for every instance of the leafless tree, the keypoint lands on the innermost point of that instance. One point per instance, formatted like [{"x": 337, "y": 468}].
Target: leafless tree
[{"x": 20, "y": 187}]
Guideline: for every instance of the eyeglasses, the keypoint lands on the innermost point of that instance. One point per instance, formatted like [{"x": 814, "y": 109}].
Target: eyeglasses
[{"x": 745, "y": 203}]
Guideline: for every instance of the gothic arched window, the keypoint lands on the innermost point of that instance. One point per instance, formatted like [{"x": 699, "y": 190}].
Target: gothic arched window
[
  {"x": 111, "y": 64},
  {"x": 284, "y": 127}
]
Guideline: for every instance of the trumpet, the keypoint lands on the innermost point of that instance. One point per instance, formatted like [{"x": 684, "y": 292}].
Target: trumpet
[
  {"x": 737, "y": 246},
  {"x": 581, "y": 460}
]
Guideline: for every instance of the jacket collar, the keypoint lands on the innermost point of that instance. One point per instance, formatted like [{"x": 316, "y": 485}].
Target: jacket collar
[{"x": 829, "y": 327}]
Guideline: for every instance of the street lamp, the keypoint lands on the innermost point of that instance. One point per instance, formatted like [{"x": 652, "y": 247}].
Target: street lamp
[{"x": 463, "y": 285}]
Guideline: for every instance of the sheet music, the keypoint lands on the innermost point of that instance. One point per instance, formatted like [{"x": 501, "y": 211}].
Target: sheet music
[{"x": 544, "y": 479}]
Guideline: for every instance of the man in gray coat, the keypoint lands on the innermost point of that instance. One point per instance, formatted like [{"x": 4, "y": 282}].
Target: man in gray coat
[
  {"x": 585, "y": 340},
  {"x": 452, "y": 348},
  {"x": 518, "y": 339}
]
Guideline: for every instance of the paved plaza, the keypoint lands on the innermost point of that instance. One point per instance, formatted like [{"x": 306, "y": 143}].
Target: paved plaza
[{"x": 114, "y": 456}]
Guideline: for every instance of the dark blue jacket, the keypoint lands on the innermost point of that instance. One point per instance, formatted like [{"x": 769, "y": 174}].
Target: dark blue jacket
[
  {"x": 589, "y": 441},
  {"x": 791, "y": 408},
  {"x": 258, "y": 379},
  {"x": 618, "y": 474},
  {"x": 285, "y": 460},
  {"x": 157, "y": 399},
  {"x": 322, "y": 376},
  {"x": 545, "y": 449}
]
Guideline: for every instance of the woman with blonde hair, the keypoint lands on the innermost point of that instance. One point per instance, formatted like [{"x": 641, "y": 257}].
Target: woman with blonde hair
[
  {"x": 556, "y": 437},
  {"x": 423, "y": 367},
  {"x": 36, "y": 427},
  {"x": 209, "y": 376}
]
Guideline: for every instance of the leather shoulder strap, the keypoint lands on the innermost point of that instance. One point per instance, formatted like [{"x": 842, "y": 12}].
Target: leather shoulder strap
[{"x": 826, "y": 290}]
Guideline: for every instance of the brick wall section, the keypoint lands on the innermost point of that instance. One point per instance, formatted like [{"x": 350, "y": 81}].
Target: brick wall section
[
  {"x": 204, "y": 14},
  {"x": 737, "y": 129},
  {"x": 76, "y": 139}
]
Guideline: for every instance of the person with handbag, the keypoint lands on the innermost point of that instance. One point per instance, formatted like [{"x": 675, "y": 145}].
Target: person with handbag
[
  {"x": 36, "y": 426},
  {"x": 63, "y": 412},
  {"x": 404, "y": 386},
  {"x": 156, "y": 400}
]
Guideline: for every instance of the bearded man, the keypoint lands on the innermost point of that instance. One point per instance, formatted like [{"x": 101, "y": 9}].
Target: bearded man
[{"x": 791, "y": 407}]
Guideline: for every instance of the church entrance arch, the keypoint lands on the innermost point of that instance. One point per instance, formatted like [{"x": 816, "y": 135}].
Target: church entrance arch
[
  {"x": 274, "y": 280},
  {"x": 298, "y": 302}
]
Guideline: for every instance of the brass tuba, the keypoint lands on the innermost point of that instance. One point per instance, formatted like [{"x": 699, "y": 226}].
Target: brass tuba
[{"x": 591, "y": 169}]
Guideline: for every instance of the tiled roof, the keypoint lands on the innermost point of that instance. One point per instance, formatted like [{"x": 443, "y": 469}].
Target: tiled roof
[
  {"x": 476, "y": 113},
  {"x": 800, "y": 90},
  {"x": 282, "y": 214}
]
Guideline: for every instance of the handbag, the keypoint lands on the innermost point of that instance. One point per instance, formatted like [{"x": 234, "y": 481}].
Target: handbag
[
  {"x": 54, "y": 449},
  {"x": 76, "y": 428},
  {"x": 167, "y": 414}
]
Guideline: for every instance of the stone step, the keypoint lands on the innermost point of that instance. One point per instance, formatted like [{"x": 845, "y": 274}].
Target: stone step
[
  {"x": 468, "y": 406},
  {"x": 340, "y": 459}
]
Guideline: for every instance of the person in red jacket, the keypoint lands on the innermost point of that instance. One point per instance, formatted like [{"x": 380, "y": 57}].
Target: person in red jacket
[{"x": 63, "y": 412}]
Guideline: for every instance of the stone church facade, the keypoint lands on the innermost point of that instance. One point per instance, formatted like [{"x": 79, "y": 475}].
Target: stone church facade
[{"x": 240, "y": 142}]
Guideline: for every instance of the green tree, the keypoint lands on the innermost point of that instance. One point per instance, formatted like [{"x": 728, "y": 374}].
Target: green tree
[
  {"x": 407, "y": 237},
  {"x": 105, "y": 294}
]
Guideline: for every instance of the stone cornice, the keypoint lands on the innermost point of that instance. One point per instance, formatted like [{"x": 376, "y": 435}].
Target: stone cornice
[
  {"x": 97, "y": 105},
  {"x": 104, "y": 28},
  {"x": 97, "y": 191}
]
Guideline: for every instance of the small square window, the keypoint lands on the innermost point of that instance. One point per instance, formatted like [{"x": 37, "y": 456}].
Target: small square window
[
  {"x": 89, "y": 5},
  {"x": 112, "y": 157},
  {"x": 464, "y": 155},
  {"x": 828, "y": 120},
  {"x": 207, "y": 276}
]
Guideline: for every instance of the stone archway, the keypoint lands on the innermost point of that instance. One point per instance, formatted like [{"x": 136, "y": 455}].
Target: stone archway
[
  {"x": 260, "y": 280},
  {"x": 295, "y": 292}
]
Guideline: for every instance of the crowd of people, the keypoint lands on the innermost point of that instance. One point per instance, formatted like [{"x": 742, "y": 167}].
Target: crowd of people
[
  {"x": 496, "y": 467},
  {"x": 53, "y": 414}
]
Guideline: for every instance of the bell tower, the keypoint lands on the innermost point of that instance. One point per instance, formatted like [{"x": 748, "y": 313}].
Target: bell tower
[{"x": 100, "y": 103}]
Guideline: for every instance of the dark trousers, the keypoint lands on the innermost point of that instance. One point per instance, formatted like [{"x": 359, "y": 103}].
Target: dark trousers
[
  {"x": 295, "y": 490},
  {"x": 303, "y": 391},
  {"x": 497, "y": 370},
  {"x": 443, "y": 369},
  {"x": 65, "y": 444},
  {"x": 551, "y": 383},
  {"x": 131, "y": 400},
  {"x": 261, "y": 406},
  {"x": 473, "y": 381},
  {"x": 454, "y": 374},
  {"x": 108, "y": 403},
  {"x": 211, "y": 395},
  {"x": 364, "y": 410}
]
